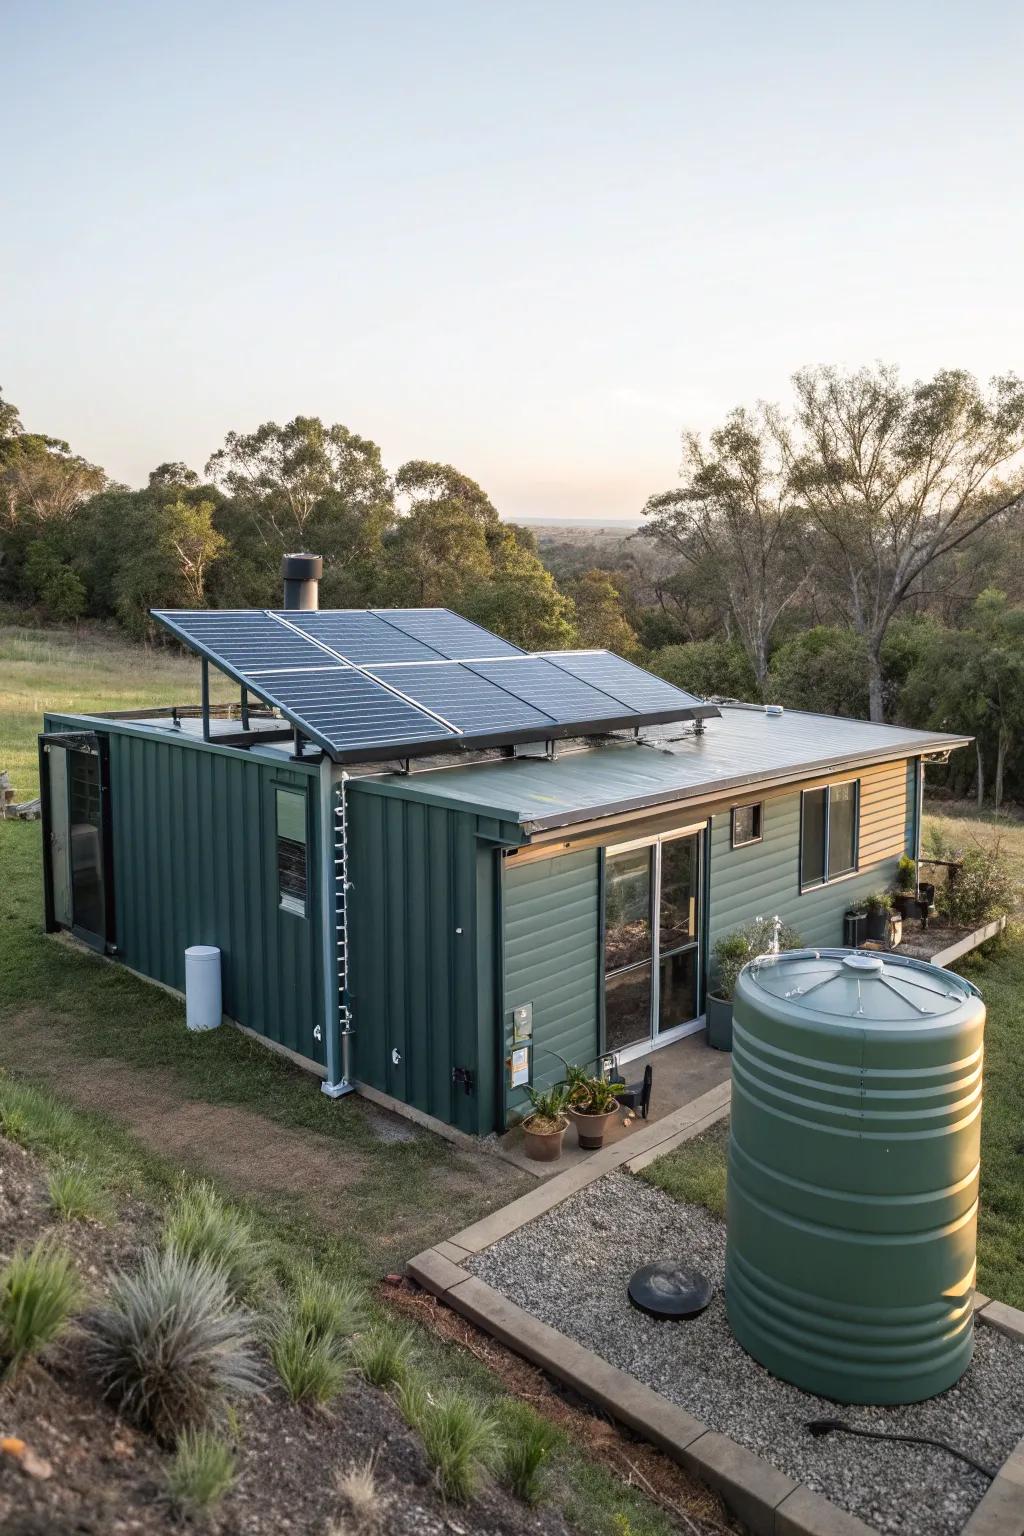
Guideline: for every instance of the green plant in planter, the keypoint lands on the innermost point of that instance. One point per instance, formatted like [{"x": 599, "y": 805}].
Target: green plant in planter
[
  {"x": 877, "y": 902},
  {"x": 906, "y": 875},
  {"x": 547, "y": 1108},
  {"x": 733, "y": 950}
]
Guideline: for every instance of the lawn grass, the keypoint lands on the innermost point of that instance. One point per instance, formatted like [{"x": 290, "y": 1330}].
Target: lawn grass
[
  {"x": 53, "y": 992},
  {"x": 695, "y": 1172}
]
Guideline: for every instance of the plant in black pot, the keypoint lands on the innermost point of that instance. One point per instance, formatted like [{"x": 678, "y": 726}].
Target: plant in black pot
[
  {"x": 905, "y": 896},
  {"x": 730, "y": 954},
  {"x": 877, "y": 906},
  {"x": 545, "y": 1126}
]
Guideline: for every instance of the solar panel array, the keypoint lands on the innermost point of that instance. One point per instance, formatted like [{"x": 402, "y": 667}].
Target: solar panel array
[{"x": 360, "y": 682}]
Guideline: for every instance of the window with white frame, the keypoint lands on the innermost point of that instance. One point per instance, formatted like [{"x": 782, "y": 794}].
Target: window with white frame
[{"x": 828, "y": 832}]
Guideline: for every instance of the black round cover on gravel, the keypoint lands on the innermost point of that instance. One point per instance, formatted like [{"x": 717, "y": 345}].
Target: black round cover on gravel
[{"x": 669, "y": 1289}]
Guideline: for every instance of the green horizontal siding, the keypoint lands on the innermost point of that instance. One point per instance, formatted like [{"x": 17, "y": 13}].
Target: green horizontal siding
[
  {"x": 195, "y": 862},
  {"x": 763, "y": 879},
  {"x": 551, "y": 958}
]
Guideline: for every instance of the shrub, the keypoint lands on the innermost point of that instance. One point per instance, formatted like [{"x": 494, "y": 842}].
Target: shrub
[
  {"x": 170, "y": 1344},
  {"x": 201, "y": 1225},
  {"x": 981, "y": 889},
  {"x": 77, "y": 1195},
  {"x": 906, "y": 874},
  {"x": 202, "y": 1472},
  {"x": 310, "y": 1366},
  {"x": 39, "y": 1292},
  {"x": 877, "y": 901},
  {"x": 462, "y": 1441},
  {"x": 381, "y": 1355},
  {"x": 528, "y": 1442},
  {"x": 733, "y": 950},
  {"x": 328, "y": 1309}
]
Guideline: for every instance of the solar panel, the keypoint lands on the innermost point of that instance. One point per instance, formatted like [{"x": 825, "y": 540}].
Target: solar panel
[
  {"x": 361, "y": 637},
  {"x": 620, "y": 679},
  {"x": 449, "y": 633},
  {"x": 365, "y": 685},
  {"x": 563, "y": 698},
  {"x": 466, "y": 699}
]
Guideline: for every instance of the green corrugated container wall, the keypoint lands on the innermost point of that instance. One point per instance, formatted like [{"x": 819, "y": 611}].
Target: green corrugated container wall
[
  {"x": 853, "y": 1173},
  {"x": 194, "y": 850},
  {"x": 421, "y": 935}
]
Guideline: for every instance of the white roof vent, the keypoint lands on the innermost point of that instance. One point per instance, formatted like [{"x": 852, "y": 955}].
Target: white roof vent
[{"x": 773, "y": 709}]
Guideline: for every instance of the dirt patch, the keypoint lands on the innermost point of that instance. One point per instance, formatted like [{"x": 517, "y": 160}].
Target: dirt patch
[{"x": 253, "y": 1154}]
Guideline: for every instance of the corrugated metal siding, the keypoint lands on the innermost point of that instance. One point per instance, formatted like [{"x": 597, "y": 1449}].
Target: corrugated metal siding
[
  {"x": 764, "y": 878},
  {"x": 195, "y": 862},
  {"x": 415, "y": 958},
  {"x": 551, "y": 960}
]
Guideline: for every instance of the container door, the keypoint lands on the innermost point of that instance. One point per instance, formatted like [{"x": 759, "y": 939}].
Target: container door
[{"x": 77, "y": 834}]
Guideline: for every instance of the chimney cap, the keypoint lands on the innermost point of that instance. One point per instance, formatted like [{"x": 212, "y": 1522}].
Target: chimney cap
[{"x": 302, "y": 567}]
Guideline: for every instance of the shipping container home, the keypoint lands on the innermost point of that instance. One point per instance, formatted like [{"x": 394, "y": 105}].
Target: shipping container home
[{"x": 434, "y": 865}]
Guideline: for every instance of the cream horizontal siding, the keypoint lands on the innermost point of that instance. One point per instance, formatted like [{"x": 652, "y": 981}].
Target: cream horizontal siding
[{"x": 763, "y": 879}]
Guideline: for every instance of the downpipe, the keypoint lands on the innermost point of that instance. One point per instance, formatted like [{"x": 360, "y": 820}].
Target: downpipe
[{"x": 337, "y": 1042}]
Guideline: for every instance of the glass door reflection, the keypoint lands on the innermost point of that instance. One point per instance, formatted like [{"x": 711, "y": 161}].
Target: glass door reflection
[{"x": 652, "y": 920}]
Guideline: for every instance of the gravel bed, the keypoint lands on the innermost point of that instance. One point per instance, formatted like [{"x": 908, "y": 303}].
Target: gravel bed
[{"x": 570, "y": 1269}]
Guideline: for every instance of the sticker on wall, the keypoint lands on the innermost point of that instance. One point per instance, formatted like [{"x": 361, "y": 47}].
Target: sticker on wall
[
  {"x": 520, "y": 1066},
  {"x": 522, "y": 1023}
]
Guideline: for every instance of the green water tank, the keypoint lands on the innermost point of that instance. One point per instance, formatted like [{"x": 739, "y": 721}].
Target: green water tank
[{"x": 853, "y": 1172}]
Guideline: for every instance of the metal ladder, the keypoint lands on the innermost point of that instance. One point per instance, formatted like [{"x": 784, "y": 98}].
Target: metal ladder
[{"x": 342, "y": 886}]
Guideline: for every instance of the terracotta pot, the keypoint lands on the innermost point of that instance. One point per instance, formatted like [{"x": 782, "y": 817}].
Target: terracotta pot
[
  {"x": 591, "y": 1128},
  {"x": 544, "y": 1146}
]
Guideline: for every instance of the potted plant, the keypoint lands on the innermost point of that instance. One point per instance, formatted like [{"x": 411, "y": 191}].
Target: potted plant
[
  {"x": 545, "y": 1126},
  {"x": 905, "y": 896},
  {"x": 731, "y": 952},
  {"x": 731, "y": 955},
  {"x": 854, "y": 926},
  {"x": 877, "y": 905},
  {"x": 591, "y": 1105}
]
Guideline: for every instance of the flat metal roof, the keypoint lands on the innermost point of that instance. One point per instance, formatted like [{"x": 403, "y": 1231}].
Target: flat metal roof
[{"x": 743, "y": 749}]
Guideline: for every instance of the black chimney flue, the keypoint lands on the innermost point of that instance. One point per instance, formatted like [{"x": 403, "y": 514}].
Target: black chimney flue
[{"x": 301, "y": 575}]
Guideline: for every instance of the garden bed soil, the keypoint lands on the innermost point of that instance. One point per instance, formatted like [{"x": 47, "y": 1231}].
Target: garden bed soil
[
  {"x": 570, "y": 1269},
  {"x": 107, "y": 1478}
]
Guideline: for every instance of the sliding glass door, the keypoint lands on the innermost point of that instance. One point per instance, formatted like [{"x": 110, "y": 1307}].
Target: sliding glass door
[{"x": 652, "y": 905}]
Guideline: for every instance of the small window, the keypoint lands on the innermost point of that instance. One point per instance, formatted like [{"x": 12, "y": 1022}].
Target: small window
[
  {"x": 828, "y": 833},
  {"x": 746, "y": 824},
  {"x": 291, "y": 851}
]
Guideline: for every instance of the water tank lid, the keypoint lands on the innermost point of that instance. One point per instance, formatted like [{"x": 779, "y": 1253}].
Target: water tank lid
[{"x": 859, "y": 988}]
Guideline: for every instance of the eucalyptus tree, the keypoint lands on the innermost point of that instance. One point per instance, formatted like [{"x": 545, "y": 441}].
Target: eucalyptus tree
[
  {"x": 896, "y": 478},
  {"x": 735, "y": 515}
]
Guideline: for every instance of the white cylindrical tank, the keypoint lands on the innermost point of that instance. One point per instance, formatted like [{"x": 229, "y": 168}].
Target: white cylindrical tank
[{"x": 202, "y": 986}]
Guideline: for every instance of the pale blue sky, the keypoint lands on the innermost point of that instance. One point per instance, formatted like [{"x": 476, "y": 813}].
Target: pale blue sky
[{"x": 531, "y": 239}]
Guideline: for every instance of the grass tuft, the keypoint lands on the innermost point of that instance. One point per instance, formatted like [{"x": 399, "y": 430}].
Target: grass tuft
[
  {"x": 367, "y": 1505},
  {"x": 170, "y": 1345},
  {"x": 528, "y": 1443},
  {"x": 460, "y": 1435},
  {"x": 35, "y": 1120},
  {"x": 202, "y": 1472},
  {"x": 200, "y": 1225},
  {"x": 39, "y": 1293},
  {"x": 695, "y": 1173},
  {"x": 75, "y": 1194},
  {"x": 381, "y": 1355},
  {"x": 329, "y": 1309},
  {"x": 311, "y": 1367}
]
